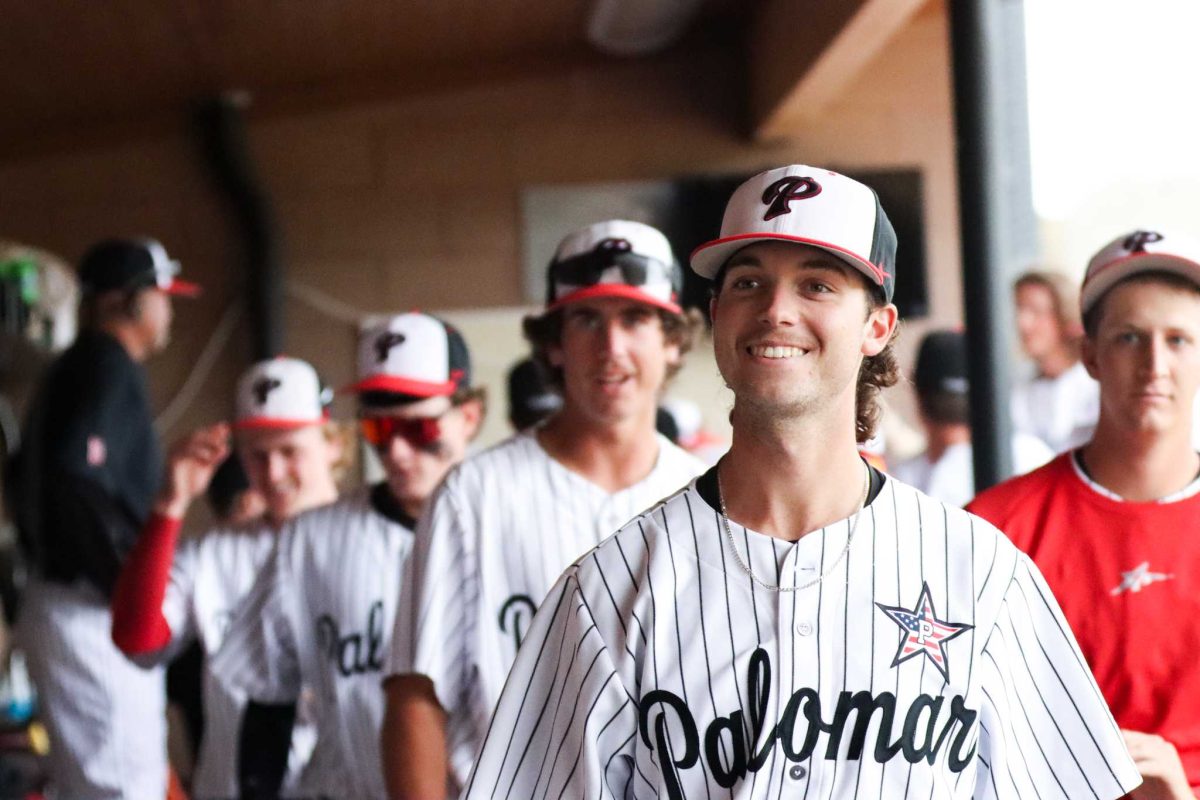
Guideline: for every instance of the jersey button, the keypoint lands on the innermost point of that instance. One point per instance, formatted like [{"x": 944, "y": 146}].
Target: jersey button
[
  {"x": 804, "y": 628},
  {"x": 797, "y": 772}
]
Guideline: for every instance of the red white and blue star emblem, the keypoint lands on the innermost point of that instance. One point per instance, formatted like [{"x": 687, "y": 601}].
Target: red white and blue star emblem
[{"x": 922, "y": 632}]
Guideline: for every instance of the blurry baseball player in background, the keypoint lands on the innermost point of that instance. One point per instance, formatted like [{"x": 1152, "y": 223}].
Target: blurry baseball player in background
[
  {"x": 509, "y": 520},
  {"x": 795, "y": 623},
  {"x": 945, "y": 469},
  {"x": 1059, "y": 402},
  {"x": 322, "y": 612},
  {"x": 84, "y": 484},
  {"x": 1115, "y": 525},
  {"x": 171, "y": 593}
]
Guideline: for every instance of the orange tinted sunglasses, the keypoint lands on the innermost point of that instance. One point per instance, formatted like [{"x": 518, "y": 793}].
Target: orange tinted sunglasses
[{"x": 417, "y": 431}]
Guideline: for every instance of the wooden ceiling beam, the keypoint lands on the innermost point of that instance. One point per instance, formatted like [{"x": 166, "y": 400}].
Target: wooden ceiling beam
[{"x": 802, "y": 55}]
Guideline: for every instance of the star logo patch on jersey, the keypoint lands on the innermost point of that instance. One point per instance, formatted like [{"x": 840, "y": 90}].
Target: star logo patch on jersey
[
  {"x": 921, "y": 632},
  {"x": 1139, "y": 578}
]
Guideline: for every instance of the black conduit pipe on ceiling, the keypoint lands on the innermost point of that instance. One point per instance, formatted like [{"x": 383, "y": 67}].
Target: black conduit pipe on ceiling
[{"x": 221, "y": 130}]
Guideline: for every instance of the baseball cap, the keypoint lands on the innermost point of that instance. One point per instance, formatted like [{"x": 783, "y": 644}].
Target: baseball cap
[
  {"x": 1136, "y": 252},
  {"x": 615, "y": 258},
  {"x": 129, "y": 264},
  {"x": 280, "y": 393},
  {"x": 412, "y": 354},
  {"x": 812, "y": 206},
  {"x": 942, "y": 364},
  {"x": 530, "y": 398}
]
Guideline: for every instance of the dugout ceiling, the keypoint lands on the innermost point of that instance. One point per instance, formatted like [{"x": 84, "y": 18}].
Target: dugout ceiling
[{"x": 118, "y": 69}]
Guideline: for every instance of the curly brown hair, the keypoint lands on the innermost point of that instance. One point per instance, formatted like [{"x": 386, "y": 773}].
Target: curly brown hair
[
  {"x": 545, "y": 331},
  {"x": 875, "y": 374}
]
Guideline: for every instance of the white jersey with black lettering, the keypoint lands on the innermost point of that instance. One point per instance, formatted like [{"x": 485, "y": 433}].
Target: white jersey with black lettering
[
  {"x": 210, "y": 577},
  {"x": 930, "y": 662},
  {"x": 319, "y": 616},
  {"x": 499, "y": 532}
]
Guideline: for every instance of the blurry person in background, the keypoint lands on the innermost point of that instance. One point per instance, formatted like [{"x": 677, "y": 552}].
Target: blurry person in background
[
  {"x": 319, "y": 619},
  {"x": 531, "y": 398},
  {"x": 171, "y": 593},
  {"x": 84, "y": 484},
  {"x": 1059, "y": 403},
  {"x": 506, "y": 522},
  {"x": 945, "y": 470}
]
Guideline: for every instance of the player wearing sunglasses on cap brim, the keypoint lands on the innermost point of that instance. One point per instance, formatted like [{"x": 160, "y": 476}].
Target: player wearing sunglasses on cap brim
[
  {"x": 321, "y": 613},
  {"x": 508, "y": 520}
]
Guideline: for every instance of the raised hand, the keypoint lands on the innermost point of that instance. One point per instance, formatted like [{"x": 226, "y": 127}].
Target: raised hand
[{"x": 191, "y": 462}]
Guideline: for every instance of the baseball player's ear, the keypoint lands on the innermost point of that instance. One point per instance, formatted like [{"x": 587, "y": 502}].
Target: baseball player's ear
[
  {"x": 554, "y": 355},
  {"x": 472, "y": 414},
  {"x": 880, "y": 327},
  {"x": 1087, "y": 355},
  {"x": 335, "y": 445}
]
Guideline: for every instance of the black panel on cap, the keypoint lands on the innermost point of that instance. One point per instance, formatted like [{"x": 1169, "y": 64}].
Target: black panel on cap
[{"x": 116, "y": 264}]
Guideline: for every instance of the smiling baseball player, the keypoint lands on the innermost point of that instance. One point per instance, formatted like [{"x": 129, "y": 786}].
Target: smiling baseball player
[
  {"x": 509, "y": 520},
  {"x": 169, "y": 595},
  {"x": 1130, "y": 500},
  {"x": 322, "y": 611},
  {"x": 795, "y": 623}
]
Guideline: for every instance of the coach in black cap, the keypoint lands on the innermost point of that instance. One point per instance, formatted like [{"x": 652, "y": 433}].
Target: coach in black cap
[{"x": 84, "y": 483}]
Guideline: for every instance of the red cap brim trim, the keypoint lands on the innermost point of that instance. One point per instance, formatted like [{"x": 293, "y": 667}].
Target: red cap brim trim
[
  {"x": 873, "y": 271},
  {"x": 1109, "y": 275},
  {"x": 278, "y": 423},
  {"x": 180, "y": 288},
  {"x": 620, "y": 290},
  {"x": 398, "y": 385}
]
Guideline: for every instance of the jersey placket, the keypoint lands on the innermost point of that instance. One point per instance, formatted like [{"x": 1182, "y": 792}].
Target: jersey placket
[{"x": 799, "y": 652}]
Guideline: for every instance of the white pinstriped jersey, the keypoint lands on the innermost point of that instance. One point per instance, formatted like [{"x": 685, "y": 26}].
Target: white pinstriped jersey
[
  {"x": 210, "y": 577},
  {"x": 319, "y": 616},
  {"x": 932, "y": 662},
  {"x": 498, "y": 534}
]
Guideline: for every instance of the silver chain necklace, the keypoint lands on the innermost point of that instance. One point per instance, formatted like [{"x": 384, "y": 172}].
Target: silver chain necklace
[{"x": 780, "y": 588}]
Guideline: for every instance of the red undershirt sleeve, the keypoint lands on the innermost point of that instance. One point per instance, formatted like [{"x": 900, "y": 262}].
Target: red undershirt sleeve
[{"x": 138, "y": 624}]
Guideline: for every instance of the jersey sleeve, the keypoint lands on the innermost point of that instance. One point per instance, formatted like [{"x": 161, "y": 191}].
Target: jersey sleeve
[
  {"x": 178, "y": 608},
  {"x": 259, "y": 652},
  {"x": 435, "y": 617},
  {"x": 565, "y": 725},
  {"x": 1045, "y": 730}
]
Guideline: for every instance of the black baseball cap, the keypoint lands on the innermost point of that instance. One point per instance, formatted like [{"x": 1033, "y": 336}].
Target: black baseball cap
[
  {"x": 942, "y": 364},
  {"x": 530, "y": 396},
  {"x": 132, "y": 264}
]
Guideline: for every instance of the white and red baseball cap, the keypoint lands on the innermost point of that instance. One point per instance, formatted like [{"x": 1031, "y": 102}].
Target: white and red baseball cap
[
  {"x": 1136, "y": 252},
  {"x": 615, "y": 258},
  {"x": 412, "y": 354},
  {"x": 812, "y": 206},
  {"x": 281, "y": 393}
]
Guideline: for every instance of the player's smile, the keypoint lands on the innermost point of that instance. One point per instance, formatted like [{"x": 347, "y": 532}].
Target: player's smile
[
  {"x": 776, "y": 350},
  {"x": 789, "y": 325}
]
